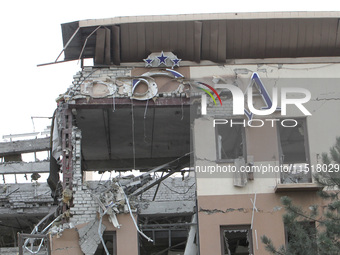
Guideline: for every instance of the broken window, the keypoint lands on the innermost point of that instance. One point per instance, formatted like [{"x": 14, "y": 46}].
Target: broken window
[
  {"x": 169, "y": 234},
  {"x": 293, "y": 149},
  {"x": 236, "y": 240},
  {"x": 230, "y": 140},
  {"x": 34, "y": 244},
  {"x": 109, "y": 238}
]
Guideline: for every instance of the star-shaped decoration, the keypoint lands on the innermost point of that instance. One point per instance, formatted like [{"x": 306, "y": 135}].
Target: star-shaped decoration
[
  {"x": 176, "y": 61},
  {"x": 148, "y": 62},
  {"x": 162, "y": 59}
]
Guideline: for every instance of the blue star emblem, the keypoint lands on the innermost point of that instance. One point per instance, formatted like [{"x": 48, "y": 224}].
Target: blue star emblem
[
  {"x": 148, "y": 62},
  {"x": 162, "y": 59},
  {"x": 176, "y": 61}
]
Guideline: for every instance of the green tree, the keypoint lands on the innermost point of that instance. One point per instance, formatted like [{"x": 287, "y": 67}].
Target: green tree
[{"x": 305, "y": 239}]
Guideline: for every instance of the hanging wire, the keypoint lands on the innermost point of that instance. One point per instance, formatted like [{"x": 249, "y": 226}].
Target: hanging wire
[
  {"x": 146, "y": 108},
  {"x": 133, "y": 136},
  {"x": 132, "y": 217},
  {"x": 144, "y": 122},
  {"x": 177, "y": 192},
  {"x": 114, "y": 101},
  {"x": 182, "y": 108}
]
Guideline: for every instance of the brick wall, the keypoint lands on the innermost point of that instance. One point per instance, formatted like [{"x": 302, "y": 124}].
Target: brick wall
[{"x": 172, "y": 189}]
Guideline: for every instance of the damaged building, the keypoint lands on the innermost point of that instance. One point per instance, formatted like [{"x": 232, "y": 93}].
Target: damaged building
[{"x": 158, "y": 111}]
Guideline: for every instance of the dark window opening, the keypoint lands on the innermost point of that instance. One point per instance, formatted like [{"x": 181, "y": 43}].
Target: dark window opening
[
  {"x": 110, "y": 243},
  {"x": 236, "y": 240},
  {"x": 293, "y": 149},
  {"x": 169, "y": 234},
  {"x": 10, "y": 226},
  {"x": 230, "y": 141}
]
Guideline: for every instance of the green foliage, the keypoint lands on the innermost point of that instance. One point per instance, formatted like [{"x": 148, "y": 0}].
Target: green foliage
[
  {"x": 304, "y": 238},
  {"x": 270, "y": 247}
]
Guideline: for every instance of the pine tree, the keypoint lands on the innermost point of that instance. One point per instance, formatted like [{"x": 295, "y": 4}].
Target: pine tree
[{"x": 305, "y": 239}]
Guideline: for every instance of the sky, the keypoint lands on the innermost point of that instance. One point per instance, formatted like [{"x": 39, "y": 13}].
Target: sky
[{"x": 31, "y": 35}]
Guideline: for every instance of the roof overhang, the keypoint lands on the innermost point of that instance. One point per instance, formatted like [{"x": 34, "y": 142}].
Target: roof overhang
[{"x": 199, "y": 37}]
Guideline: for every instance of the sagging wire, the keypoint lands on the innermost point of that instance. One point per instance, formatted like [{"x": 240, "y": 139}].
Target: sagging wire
[
  {"x": 181, "y": 193},
  {"x": 133, "y": 218}
]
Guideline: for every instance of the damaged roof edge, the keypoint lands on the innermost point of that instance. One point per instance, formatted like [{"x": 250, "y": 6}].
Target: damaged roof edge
[
  {"x": 118, "y": 38},
  {"x": 206, "y": 16}
]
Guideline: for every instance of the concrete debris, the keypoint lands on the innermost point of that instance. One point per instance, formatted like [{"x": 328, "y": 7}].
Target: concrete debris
[
  {"x": 29, "y": 198},
  {"x": 67, "y": 196},
  {"x": 118, "y": 83},
  {"x": 58, "y": 228},
  {"x": 112, "y": 201},
  {"x": 89, "y": 238}
]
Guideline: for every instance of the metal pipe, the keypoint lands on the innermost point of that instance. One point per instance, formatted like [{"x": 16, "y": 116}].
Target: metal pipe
[
  {"x": 81, "y": 52},
  {"x": 133, "y": 218},
  {"x": 35, "y": 230},
  {"x": 68, "y": 42}
]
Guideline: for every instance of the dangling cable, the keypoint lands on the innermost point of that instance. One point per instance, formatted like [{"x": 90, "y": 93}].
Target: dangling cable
[
  {"x": 133, "y": 136},
  {"x": 113, "y": 103},
  {"x": 146, "y": 108},
  {"x": 182, "y": 108},
  {"x": 133, "y": 218}
]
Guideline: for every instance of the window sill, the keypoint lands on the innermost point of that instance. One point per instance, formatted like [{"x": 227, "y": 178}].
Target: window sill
[
  {"x": 228, "y": 161},
  {"x": 293, "y": 187}
]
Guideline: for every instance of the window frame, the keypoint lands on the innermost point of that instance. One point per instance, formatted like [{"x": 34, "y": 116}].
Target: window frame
[
  {"x": 113, "y": 234},
  {"x": 306, "y": 147},
  {"x": 237, "y": 227},
  {"x": 243, "y": 135}
]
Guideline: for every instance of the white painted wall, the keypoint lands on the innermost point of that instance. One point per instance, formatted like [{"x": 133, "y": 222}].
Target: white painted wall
[{"x": 323, "y": 125}]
